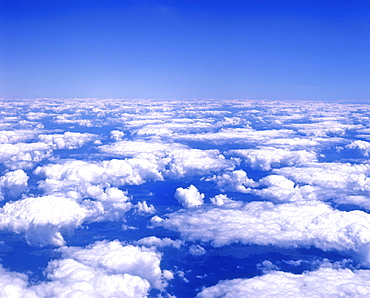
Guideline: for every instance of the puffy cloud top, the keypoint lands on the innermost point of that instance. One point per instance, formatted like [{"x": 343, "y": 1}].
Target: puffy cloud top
[{"x": 189, "y": 197}]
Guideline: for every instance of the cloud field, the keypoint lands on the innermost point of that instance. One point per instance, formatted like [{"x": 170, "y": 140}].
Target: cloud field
[{"x": 233, "y": 198}]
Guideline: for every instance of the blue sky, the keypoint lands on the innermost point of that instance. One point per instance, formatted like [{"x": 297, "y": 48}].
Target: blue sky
[{"x": 185, "y": 49}]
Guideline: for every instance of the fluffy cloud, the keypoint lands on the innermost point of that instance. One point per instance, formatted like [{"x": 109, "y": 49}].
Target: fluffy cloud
[
  {"x": 117, "y": 135},
  {"x": 17, "y": 136},
  {"x": 43, "y": 219},
  {"x": 279, "y": 189},
  {"x": 237, "y": 135},
  {"x": 103, "y": 269},
  {"x": 327, "y": 128},
  {"x": 158, "y": 242},
  {"x": 115, "y": 258},
  {"x": 68, "y": 140},
  {"x": 267, "y": 158},
  {"x": 13, "y": 183},
  {"x": 23, "y": 155},
  {"x": 236, "y": 181},
  {"x": 331, "y": 180},
  {"x": 113, "y": 172},
  {"x": 189, "y": 197},
  {"x": 172, "y": 160},
  {"x": 362, "y": 146},
  {"x": 325, "y": 282},
  {"x": 263, "y": 223}
]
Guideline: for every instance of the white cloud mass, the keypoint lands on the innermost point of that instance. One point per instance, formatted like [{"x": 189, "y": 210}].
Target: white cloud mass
[{"x": 178, "y": 198}]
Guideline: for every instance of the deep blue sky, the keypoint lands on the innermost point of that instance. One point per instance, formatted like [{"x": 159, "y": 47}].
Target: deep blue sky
[{"x": 309, "y": 49}]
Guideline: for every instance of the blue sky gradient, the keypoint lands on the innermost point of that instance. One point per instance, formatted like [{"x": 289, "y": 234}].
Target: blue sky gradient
[{"x": 317, "y": 50}]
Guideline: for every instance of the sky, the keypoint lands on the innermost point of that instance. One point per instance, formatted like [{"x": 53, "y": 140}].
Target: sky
[{"x": 315, "y": 50}]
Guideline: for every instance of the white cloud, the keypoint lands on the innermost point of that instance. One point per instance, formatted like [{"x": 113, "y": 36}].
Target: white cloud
[
  {"x": 189, "y": 197},
  {"x": 237, "y": 135},
  {"x": 68, "y": 140},
  {"x": 23, "y": 155},
  {"x": 327, "y": 128},
  {"x": 281, "y": 190},
  {"x": 362, "y": 146},
  {"x": 267, "y": 158},
  {"x": 220, "y": 199},
  {"x": 325, "y": 282},
  {"x": 331, "y": 180},
  {"x": 16, "y": 136},
  {"x": 115, "y": 258},
  {"x": 103, "y": 269},
  {"x": 197, "y": 250},
  {"x": 42, "y": 220},
  {"x": 14, "y": 183},
  {"x": 263, "y": 223},
  {"x": 150, "y": 130},
  {"x": 15, "y": 285},
  {"x": 117, "y": 135},
  {"x": 172, "y": 160},
  {"x": 159, "y": 242},
  {"x": 236, "y": 181},
  {"x": 114, "y": 172},
  {"x": 143, "y": 207}
]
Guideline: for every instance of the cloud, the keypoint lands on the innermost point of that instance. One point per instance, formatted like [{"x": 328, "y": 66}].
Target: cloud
[
  {"x": 295, "y": 224},
  {"x": 103, "y": 269},
  {"x": 237, "y": 136},
  {"x": 68, "y": 140},
  {"x": 17, "y": 136},
  {"x": 42, "y": 220},
  {"x": 114, "y": 172},
  {"x": 13, "y": 183},
  {"x": 173, "y": 160},
  {"x": 158, "y": 242},
  {"x": 327, "y": 128},
  {"x": 267, "y": 158},
  {"x": 23, "y": 155},
  {"x": 189, "y": 197},
  {"x": 220, "y": 199},
  {"x": 335, "y": 181},
  {"x": 325, "y": 282},
  {"x": 362, "y": 146},
  {"x": 236, "y": 181},
  {"x": 279, "y": 189},
  {"x": 115, "y": 258},
  {"x": 117, "y": 135}
]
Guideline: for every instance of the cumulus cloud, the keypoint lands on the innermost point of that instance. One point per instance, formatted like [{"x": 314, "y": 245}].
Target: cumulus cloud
[
  {"x": 42, "y": 220},
  {"x": 279, "y": 189},
  {"x": 103, "y": 269},
  {"x": 172, "y": 160},
  {"x": 17, "y": 136},
  {"x": 143, "y": 207},
  {"x": 331, "y": 180},
  {"x": 115, "y": 258},
  {"x": 68, "y": 140},
  {"x": 159, "y": 242},
  {"x": 117, "y": 135},
  {"x": 23, "y": 155},
  {"x": 114, "y": 172},
  {"x": 13, "y": 183},
  {"x": 325, "y": 282},
  {"x": 220, "y": 199},
  {"x": 267, "y": 158},
  {"x": 237, "y": 135},
  {"x": 362, "y": 146},
  {"x": 189, "y": 197},
  {"x": 236, "y": 181},
  {"x": 327, "y": 128},
  {"x": 263, "y": 223}
]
